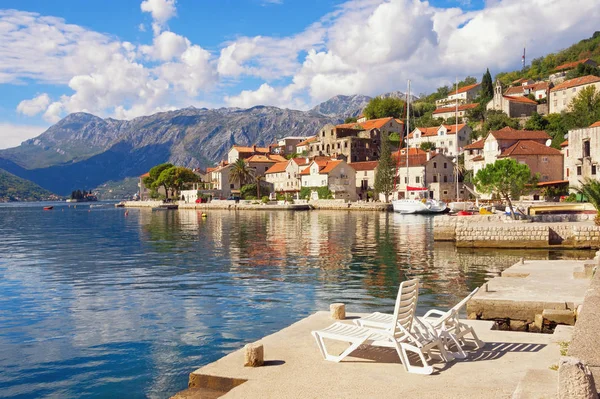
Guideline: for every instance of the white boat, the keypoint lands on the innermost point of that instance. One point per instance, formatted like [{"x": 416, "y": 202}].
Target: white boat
[{"x": 423, "y": 206}]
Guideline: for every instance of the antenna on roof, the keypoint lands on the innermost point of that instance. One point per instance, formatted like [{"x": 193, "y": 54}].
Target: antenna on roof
[{"x": 523, "y": 58}]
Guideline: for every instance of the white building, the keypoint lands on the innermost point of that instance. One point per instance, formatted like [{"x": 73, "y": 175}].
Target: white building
[
  {"x": 561, "y": 95},
  {"x": 463, "y": 95},
  {"x": 582, "y": 155},
  {"x": 443, "y": 137},
  {"x": 450, "y": 112},
  {"x": 285, "y": 176},
  {"x": 365, "y": 177},
  {"x": 335, "y": 174}
]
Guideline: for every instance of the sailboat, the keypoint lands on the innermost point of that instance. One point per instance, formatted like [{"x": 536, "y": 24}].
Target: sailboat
[{"x": 421, "y": 204}]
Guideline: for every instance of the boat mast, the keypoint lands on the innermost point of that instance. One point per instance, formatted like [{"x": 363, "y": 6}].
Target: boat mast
[
  {"x": 456, "y": 132},
  {"x": 407, "y": 132}
]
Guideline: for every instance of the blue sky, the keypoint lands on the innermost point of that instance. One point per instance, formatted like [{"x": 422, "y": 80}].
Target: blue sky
[{"x": 134, "y": 57}]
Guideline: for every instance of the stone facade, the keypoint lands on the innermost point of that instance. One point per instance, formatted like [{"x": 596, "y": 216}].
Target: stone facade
[
  {"x": 444, "y": 137},
  {"x": 562, "y": 94},
  {"x": 337, "y": 175},
  {"x": 582, "y": 155},
  {"x": 461, "y": 96},
  {"x": 514, "y": 107},
  {"x": 285, "y": 176}
]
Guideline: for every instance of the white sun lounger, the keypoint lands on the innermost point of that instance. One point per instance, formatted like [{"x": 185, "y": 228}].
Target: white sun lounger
[
  {"x": 399, "y": 335},
  {"x": 445, "y": 324}
]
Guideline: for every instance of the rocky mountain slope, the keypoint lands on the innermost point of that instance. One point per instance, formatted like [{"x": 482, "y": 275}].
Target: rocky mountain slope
[
  {"x": 84, "y": 151},
  {"x": 13, "y": 188},
  {"x": 345, "y": 106}
]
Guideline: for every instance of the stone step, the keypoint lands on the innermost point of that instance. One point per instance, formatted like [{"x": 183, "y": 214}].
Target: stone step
[{"x": 537, "y": 384}]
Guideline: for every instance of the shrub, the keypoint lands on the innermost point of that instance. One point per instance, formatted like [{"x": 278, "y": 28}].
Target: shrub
[{"x": 264, "y": 199}]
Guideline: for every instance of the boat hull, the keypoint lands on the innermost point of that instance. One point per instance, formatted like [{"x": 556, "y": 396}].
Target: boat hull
[{"x": 408, "y": 206}]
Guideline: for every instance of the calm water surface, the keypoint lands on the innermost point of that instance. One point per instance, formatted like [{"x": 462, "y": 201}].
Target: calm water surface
[{"x": 94, "y": 303}]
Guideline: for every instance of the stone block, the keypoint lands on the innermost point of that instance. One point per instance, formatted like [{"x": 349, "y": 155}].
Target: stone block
[
  {"x": 338, "y": 311},
  {"x": 559, "y": 316},
  {"x": 539, "y": 321},
  {"x": 575, "y": 381},
  {"x": 518, "y": 325},
  {"x": 254, "y": 355}
]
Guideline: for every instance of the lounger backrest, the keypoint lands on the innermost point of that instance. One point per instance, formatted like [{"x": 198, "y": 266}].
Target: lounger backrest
[
  {"x": 406, "y": 303},
  {"x": 462, "y": 303}
]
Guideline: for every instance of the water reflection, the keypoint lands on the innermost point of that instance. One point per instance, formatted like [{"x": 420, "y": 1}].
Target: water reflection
[{"x": 94, "y": 303}]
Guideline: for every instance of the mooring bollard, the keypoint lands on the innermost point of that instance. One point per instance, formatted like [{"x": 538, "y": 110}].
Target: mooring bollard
[
  {"x": 254, "y": 355},
  {"x": 522, "y": 261},
  {"x": 338, "y": 311}
]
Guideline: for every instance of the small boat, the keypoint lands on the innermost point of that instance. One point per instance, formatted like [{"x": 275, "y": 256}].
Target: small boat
[
  {"x": 464, "y": 213},
  {"x": 422, "y": 206},
  {"x": 48, "y": 208},
  {"x": 120, "y": 205},
  {"x": 166, "y": 207}
]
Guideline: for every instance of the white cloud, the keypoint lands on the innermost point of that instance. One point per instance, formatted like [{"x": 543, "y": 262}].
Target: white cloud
[
  {"x": 142, "y": 28},
  {"x": 12, "y": 135},
  {"x": 34, "y": 106},
  {"x": 166, "y": 46},
  {"x": 161, "y": 10}
]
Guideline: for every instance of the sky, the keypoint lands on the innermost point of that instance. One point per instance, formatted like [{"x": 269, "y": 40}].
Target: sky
[{"x": 128, "y": 58}]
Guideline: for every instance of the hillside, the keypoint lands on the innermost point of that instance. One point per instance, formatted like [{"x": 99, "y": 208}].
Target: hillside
[{"x": 13, "y": 188}]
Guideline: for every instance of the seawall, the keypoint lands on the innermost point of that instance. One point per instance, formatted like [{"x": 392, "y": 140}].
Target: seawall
[
  {"x": 273, "y": 205},
  {"x": 499, "y": 231}
]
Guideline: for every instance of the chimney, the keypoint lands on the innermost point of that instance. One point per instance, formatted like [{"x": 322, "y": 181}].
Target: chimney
[
  {"x": 428, "y": 155},
  {"x": 270, "y": 148},
  {"x": 254, "y": 148}
]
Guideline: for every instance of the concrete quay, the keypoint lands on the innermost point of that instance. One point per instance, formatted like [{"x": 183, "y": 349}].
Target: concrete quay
[
  {"x": 499, "y": 231},
  {"x": 294, "y": 368},
  {"x": 534, "y": 295},
  {"x": 256, "y": 206}
]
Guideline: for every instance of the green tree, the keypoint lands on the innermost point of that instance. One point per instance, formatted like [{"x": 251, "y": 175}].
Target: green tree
[
  {"x": 536, "y": 122},
  {"x": 176, "y": 177},
  {"x": 487, "y": 86},
  {"x": 591, "y": 190},
  {"x": 350, "y": 119},
  {"x": 241, "y": 173},
  {"x": 394, "y": 138},
  {"x": 154, "y": 173},
  {"x": 427, "y": 146},
  {"x": 583, "y": 70},
  {"x": 506, "y": 178},
  {"x": 380, "y": 107},
  {"x": 585, "y": 108},
  {"x": 496, "y": 120},
  {"x": 384, "y": 176}
]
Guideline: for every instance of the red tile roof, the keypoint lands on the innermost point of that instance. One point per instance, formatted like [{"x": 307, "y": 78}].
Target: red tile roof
[
  {"x": 477, "y": 158},
  {"x": 329, "y": 167},
  {"x": 571, "y": 65},
  {"x": 463, "y": 107},
  {"x": 264, "y": 150},
  {"x": 433, "y": 131},
  {"x": 325, "y": 166},
  {"x": 584, "y": 80},
  {"x": 519, "y": 81},
  {"x": 208, "y": 170},
  {"x": 520, "y": 100},
  {"x": 478, "y": 145},
  {"x": 368, "y": 124},
  {"x": 266, "y": 158},
  {"x": 279, "y": 167},
  {"x": 464, "y": 88},
  {"x": 595, "y": 124},
  {"x": 514, "y": 90},
  {"x": 508, "y": 133},
  {"x": 528, "y": 147},
  {"x": 147, "y": 174},
  {"x": 416, "y": 157},
  {"x": 360, "y": 166},
  {"x": 564, "y": 143},
  {"x": 301, "y": 161},
  {"x": 552, "y": 183},
  {"x": 307, "y": 141}
]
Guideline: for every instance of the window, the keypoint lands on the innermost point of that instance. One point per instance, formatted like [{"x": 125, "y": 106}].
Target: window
[
  {"x": 417, "y": 179},
  {"x": 435, "y": 178},
  {"x": 445, "y": 192},
  {"x": 555, "y": 102},
  {"x": 579, "y": 171},
  {"x": 231, "y": 185},
  {"x": 332, "y": 132},
  {"x": 323, "y": 182},
  {"x": 593, "y": 169},
  {"x": 365, "y": 173},
  {"x": 445, "y": 179},
  {"x": 266, "y": 168},
  {"x": 574, "y": 89},
  {"x": 405, "y": 180},
  {"x": 346, "y": 144},
  {"x": 586, "y": 148},
  {"x": 545, "y": 159},
  {"x": 567, "y": 172},
  {"x": 435, "y": 165},
  {"x": 445, "y": 165}
]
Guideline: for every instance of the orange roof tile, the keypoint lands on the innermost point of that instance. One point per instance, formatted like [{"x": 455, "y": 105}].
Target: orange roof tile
[
  {"x": 508, "y": 133},
  {"x": 584, "y": 80},
  {"x": 307, "y": 141},
  {"x": 251, "y": 149},
  {"x": 208, "y": 170},
  {"x": 329, "y": 167},
  {"x": 266, "y": 158},
  {"x": 570, "y": 65},
  {"x": 564, "y": 143},
  {"x": 464, "y": 88},
  {"x": 368, "y": 124},
  {"x": 520, "y": 100},
  {"x": 301, "y": 161},
  {"x": 463, "y": 107},
  {"x": 322, "y": 164},
  {"x": 552, "y": 183},
  {"x": 147, "y": 174},
  {"x": 277, "y": 168},
  {"x": 595, "y": 124},
  {"x": 367, "y": 165},
  {"x": 515, "y": 90},
  {"x": 528, "y": 147},
  {"x": 478, "y": 145},
  {"x": 477, "y": 158}
]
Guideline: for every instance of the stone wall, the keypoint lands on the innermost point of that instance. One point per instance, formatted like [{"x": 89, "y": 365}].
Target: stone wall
[{"x": 500, "y": 231}]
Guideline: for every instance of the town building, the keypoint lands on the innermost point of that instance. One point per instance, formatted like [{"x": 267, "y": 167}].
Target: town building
[
  {"x": 237, "y": 151},
  {"x": 561, "y": 71},
  {"x": 335, "y": 174},
  {"x": 285, "y": 176},
  {"x": 443, "y": 137},
  {"x": 303, "y": 147},
  {"x": 450, "y": 112},
  {"x": 525, "y": 146},
  {"x": 514, "y": 107},
  {"x": 287, "y": 145},
  {"x": 353, "y": 142},
  {"x": 221, "y": 181},
  {"x": 427, "y": 169},
  {"x": 582, "y": 155},
  {"x": 538, "y": 90},
  {"x": 261, "y": 163},
  {"x": 365, "y": 177},
  {"x": 144, "y": 192},
  {"x": 562, "y": 94},
  {"x": 463, "y": 95}
]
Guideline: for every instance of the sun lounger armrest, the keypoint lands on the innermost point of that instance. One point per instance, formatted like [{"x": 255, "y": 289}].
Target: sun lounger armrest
[{"x": 433, "y": 312}]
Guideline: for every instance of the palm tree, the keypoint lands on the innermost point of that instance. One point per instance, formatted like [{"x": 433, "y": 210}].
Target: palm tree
[
  {"x": 258, "y": 179},
  {"x": 591, "y": 190},
  {"x": 241, "y": 173}
]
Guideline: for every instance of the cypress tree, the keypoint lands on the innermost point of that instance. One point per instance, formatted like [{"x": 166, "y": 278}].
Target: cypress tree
[
  {"x": 487, "y": 87},
  {"x": 384, "y": 177}
]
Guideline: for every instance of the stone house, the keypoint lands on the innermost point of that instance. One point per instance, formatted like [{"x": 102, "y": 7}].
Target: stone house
[
  {"x": 353, "y": 142},
  {"x": 582, "y": 155},
  {"x": 539, "y": 90},
  {"x": 365, "y": 177},
  {"x": 525, "y": 146},
  {"x": 561, "y": 71},
  {"x": 429, "y": 170},
  {"x": 287, "y": 145},
  {"x": 449, "y": 112},
  {"x": 221, "y": 181},
  {"x": 514, "y": 107},
  {"x": 446, "y": 138},
  {"x": 473, "y": 152},
  {"x": 335, "y": 174},
  {"x": 238, "y": 151},
  {"x": 562, "y": 94},
  {"x": 285, "y": 176},
  {"x": 463, "y": 95},
  {"x": 303, "y": 147},
  {"x": 144, "y": 192},
  {"x": 262, "y": 163}
]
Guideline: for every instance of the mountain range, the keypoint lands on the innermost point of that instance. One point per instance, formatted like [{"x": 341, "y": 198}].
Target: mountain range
[{"x": 83, "y": 151}]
